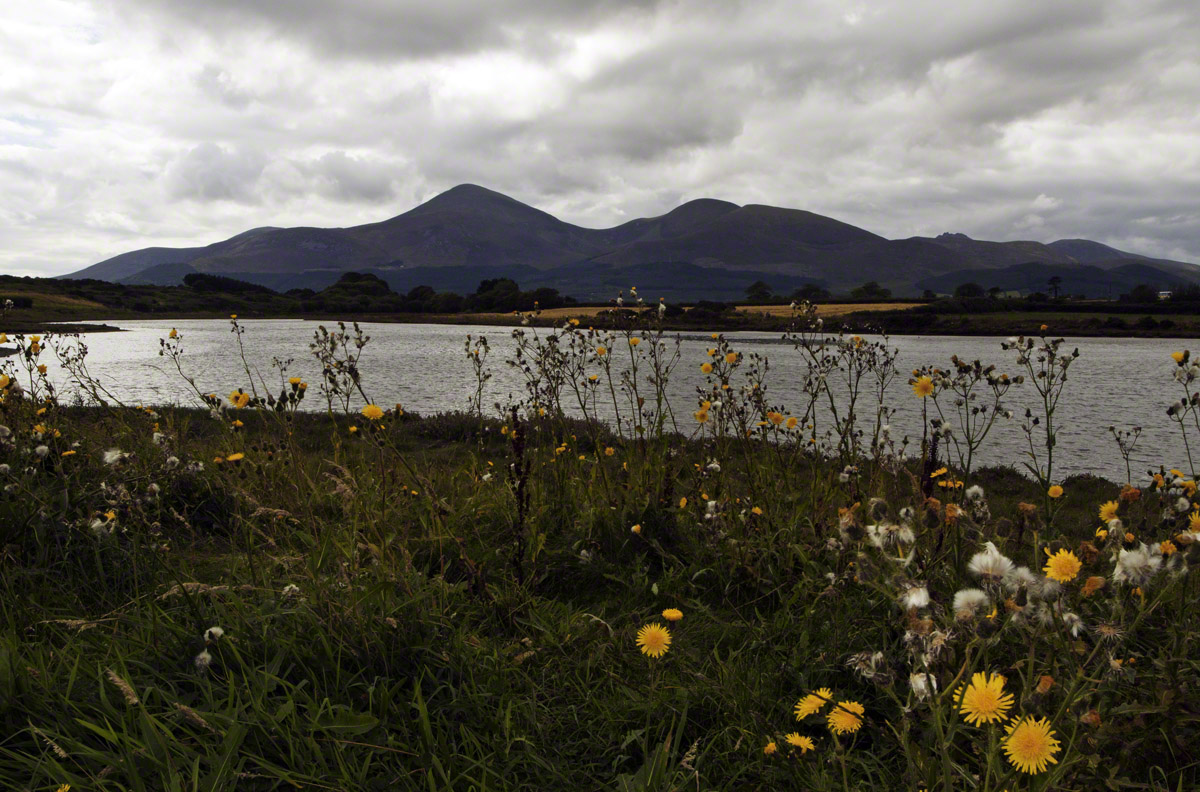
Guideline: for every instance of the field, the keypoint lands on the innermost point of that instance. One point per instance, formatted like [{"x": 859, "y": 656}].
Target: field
[{"x": 246, "y": 595}]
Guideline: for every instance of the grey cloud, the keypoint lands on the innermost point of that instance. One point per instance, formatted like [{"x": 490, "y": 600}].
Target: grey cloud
[
  {"x": 403, "y": 28},
  {"x": 211, "y": 172}
]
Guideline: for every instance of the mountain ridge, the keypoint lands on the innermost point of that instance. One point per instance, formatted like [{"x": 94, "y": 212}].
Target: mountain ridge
[{"x": 472, "y": 227}]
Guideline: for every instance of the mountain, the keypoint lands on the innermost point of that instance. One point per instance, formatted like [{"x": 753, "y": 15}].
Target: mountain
[{"x": 702, "y": 248}]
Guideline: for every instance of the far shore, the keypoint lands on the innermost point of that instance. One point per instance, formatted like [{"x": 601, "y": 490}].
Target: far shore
[{"x": 892, "y": 318}]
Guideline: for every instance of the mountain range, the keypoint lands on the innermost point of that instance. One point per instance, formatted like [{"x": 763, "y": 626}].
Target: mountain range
[{"x": 703, "y": 249}]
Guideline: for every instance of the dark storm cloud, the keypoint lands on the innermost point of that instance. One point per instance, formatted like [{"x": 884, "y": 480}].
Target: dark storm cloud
[{"x": 181, "y": 122}]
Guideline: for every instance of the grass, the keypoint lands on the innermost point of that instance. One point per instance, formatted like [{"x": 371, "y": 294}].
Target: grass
[{"x": 451, "y": 603}]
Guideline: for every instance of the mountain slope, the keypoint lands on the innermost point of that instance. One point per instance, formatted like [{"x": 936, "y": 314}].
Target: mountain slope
[{"x": 473, "y": 230}]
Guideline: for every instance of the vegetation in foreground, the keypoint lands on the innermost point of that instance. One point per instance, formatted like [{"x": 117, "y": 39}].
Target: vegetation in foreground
[{"x": 251, "y": 596}]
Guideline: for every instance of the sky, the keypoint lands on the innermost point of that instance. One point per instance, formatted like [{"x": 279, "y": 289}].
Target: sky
[{"x": 134, "y": 123}]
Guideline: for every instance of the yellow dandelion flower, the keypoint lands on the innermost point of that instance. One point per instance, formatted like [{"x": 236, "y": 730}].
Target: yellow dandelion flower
[
  {"x": 731, "y": 357},
  {"x": 294, "y": 380},
  {"x": 672, "y": 614},
  {"x": 812, "y": 703},
  {"x": 922, "y": 386},
  {"x": 634, "y": 341},
  {"x": 757, "y": 510},
  {"x": 353, "y": 430},
  {"x": 1108, "y": 511},
  {"x": 707, "y": 368},
  {"x": 173, "y": 334},
  {"x": 845, "y": 717},
  {"x": 239, "y": 398},
  {"x": 637, "y": 529},
  {"x": 792, "y": 422},
  {"x": 805, "y": 744},
  {"x": 41, "y": 368},
  {"x": 683, "y": 503},
  {"x": 1031, "y": 746},
  {"x": 1055, "y": 491},
  {"x": 601, "y": 351},
  {"x": 68, "y": 453},
  {"x": 1179, "y": 357},
  {"x": 984, "y": 700},
  {"x": 701, "y": 416},
  {"x": 609, "y": 451},
  {"x": 1063, "y": 566},
  {"x": 1194, "y": 521},
  {"x": 372, "y": 413},
  {"x": 1167, "y": 547},
  {"x": 654, "y": 640},
  {"x": 238, "y": 457},
  {"x": 770, "y": 748}
]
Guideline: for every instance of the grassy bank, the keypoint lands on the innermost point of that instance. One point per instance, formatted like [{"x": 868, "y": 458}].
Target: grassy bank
[{"x": 258, "y": 597}]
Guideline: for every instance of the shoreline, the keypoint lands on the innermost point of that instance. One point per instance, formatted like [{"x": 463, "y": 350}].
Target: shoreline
[{"x": 845, "y": 317}]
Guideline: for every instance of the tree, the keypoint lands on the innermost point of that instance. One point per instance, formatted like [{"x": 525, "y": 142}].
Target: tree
[
  {"x": 758, "y": 292},
  {"x": 811, "y": 292},
  {"x": 1142, "y": 293},
  {"x": 1054, "y": 282},
  {"x": 871, "y": 290},
  {"x": 969, "y": 289},
  {"x": 994, "y": 292},
  {"x": 929, "y": 294}
]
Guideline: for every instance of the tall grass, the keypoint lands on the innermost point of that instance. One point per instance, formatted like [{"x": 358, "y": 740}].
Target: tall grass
[{"x": 451, "y": 602}]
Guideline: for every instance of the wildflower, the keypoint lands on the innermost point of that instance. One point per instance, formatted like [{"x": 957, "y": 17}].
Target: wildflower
[
  {"x": 923, "y": 685},
  {"x": 213, "y": 634},
  {"x": 114, "y": 456},
  {"x": 653, "y": 640},
  {"x": 939, "y": 472},
  {"x": 609, "y": 451},
  {"x": 42, "y": 451},
  {"x": 239, "y": 398},
  {"x": 757, "y": 511},
  {"x": 923, "y": 387},
  {"x": 990, "y": 564},
  {"x": 701, "y": 416},
  {"x": 1044, "y": 684},
  {"x": 238, "y": 457},
  {"x": 634, "y": 341},
  {"x": 1167, "y": 547},
  {"x": 731, "y": 358},
  {"x": 601, "y": 351},
  {"x": 1180, "y": 357},
  {"x": 707, "y": 368},
  {"x": 805, "y": 744},
  {"x": 984, "y": 700},
  {"x": 967, "y": 602},
  {"x": 1108, "y": 511},
  {"x": 371, "y": 412},
  {"x": 915, "y": 596},
  {"x": 812, "y": 703},
  {"x": 1092, "y": 585},
  {"x": 1055, "y": 491},
  {"x": 171, "y": 462},
  {"x": 1030, "y": 745},
  {"x": 1090, "y": 718},
  {"x": 770, "y": 748},
  {"x": 974, "y": 493},
  {"x": 203, "y": 660},
  {"x": 353, "y": 430},
  {"x": 683, "y": 503},
  {"x": 845, "y": 717},
  {"x": 672, "y": 614},
  {"x": 290, "y": 590},
  {"x": 1063, "y": 566},
  {"x": 1136, "y": 567},
  {"x": 68, "y": 453},
  {"x": 637, "y": 529}
]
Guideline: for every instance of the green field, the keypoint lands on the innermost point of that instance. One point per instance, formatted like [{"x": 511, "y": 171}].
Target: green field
[{"x": 453, "y": 602}]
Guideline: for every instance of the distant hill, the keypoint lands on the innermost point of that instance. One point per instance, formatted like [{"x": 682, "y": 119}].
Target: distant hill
[{"x": 703, "y": 248}]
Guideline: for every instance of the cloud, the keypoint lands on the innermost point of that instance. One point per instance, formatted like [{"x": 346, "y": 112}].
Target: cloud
[{"x": 180, "y": 122}]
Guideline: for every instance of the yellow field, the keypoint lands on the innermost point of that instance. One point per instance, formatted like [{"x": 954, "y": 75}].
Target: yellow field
[
  {"x": 832, "y": 309},
  {"x": 43, "y": 300}
]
